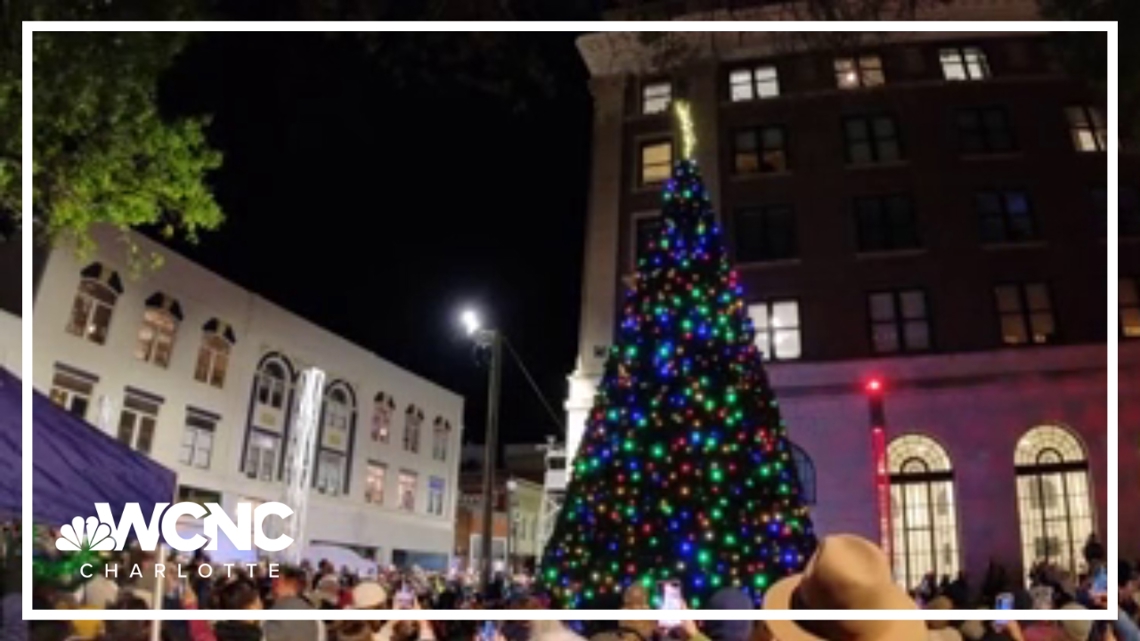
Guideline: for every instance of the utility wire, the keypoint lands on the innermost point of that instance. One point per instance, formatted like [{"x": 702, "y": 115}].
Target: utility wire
[{"x": 533, "y": 385}]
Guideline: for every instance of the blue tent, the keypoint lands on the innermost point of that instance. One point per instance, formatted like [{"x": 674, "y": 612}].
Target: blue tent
[{"x": 75, "y": 464}]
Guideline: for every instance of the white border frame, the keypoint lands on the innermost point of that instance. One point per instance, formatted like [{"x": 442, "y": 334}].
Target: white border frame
[{"x": 1113, "y": 245}]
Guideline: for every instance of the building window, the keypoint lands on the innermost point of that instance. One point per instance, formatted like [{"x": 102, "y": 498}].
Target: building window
[
  {"x": 72, "y": 390},
  {"x": 872, "y": 140},
  {"x": 1087, "y": 128},
  {"x": 1053, "y": 498},
  {"x": 656, "y": 162},
  {"x": 137, "y": 421},
  {"x": 330, "y": 473},
  {"x": 984, "y": 131},
  {"x": 412, "y": 420},
  {"x": 383, "y": 407},
  {"x": 338, "y": 416},
  {"x": 374, "y": 483},
  {"x": 271, "y": 385},
  {"x": 655, "y": 97},
  {"x": 408, "y": 491},
  {"x": 1026, "y": 312},
  {"x": 648, "y": 228},
  {"x": 197, "y": 440},
  {"x": 159, "y": 326},
  {"x": 805, "y": 473},
  {"x": 885, "y": 223},
  {"x": 923, "y": 511},
  {"x": 964, "y": 63},
  {"x": 435, "y": 496},
  {"x": 765, "y": 234},
  {"x": 1005, "y": 217},
  {"x": 1129, "y": 308},
  {"x": 863, "y": 71},
  {"x": 261, "y": 456},
  {"x": 749, "y": 84},
  {"x": 760, "y": 151},
  {"x": 777, "y": 327},
  {"x": 441, "y": 432},
  {"x": 94, "y": 303},
  {"x": 899, "y": 321},
  {"x": 214, "y": 353}
]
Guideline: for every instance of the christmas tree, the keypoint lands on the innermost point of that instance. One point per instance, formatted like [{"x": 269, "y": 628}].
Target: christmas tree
[{"x": 684, "y": 472}]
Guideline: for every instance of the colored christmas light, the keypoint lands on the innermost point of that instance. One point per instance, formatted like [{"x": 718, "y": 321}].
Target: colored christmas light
[{"x": 685, "y": 471}]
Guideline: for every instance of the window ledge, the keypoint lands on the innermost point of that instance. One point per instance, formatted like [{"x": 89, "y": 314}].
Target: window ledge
[
  {"x": 652, "y": 188},
  {"x": 767, "y": 264},
  {"x": 729, "y": 103},
  {"x": 891, "y": 253},
  {"x": 998, "y": 156},
  {"x": 894, "y": 164},
  {"x": 1028, "y": 244},
  {"x": 644, "y": 117},
  {"x": 758, "y": 175}
]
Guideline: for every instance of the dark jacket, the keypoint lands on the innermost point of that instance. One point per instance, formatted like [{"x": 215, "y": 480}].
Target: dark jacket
[
  {"x": 237, "y": 631},
  {"x": 293, "y": 630}
]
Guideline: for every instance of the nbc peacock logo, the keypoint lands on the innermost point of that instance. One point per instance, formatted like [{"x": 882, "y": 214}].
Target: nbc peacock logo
[{"x": 89, "y": 534}]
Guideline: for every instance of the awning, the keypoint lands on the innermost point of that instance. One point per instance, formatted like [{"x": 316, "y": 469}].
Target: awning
[{"x": 75, "y": 464}]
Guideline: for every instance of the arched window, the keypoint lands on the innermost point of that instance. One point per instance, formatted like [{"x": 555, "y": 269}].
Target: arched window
[
  {"x": 441, "y": 433},
  {"x": 271, "y": 385},
  {"x": 339, "y": 419},
  {"x": 924, "y": 528},
  {"x": 383, "y": 406},
  {"x": 159, "y": 326},
  {"x": 413, "y": 417},
  {"x": 94, "y": 302},
  {"x": 1052, "y": 496},
  {"x": 805, "y": 471},
  {"x": 214, "y": 353}
]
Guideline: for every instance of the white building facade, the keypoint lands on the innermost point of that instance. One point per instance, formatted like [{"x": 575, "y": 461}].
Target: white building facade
[{"x": 200, "y": 374}]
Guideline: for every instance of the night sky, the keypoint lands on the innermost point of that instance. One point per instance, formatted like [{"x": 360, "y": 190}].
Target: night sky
[{"x": 376, "y": 202}]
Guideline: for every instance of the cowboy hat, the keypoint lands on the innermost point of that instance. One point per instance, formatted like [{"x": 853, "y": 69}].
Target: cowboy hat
[
  {"x": 847, "y": 572},
  {"x": 368, "y": 595},
  {"x": 1076, "y": 630}
]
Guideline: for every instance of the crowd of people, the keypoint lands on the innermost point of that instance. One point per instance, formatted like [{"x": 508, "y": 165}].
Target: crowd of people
[{"x": 846, "y": 572}]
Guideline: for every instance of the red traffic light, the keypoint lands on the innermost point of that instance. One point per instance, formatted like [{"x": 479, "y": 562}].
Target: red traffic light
[{"x": 874, "y": 386}]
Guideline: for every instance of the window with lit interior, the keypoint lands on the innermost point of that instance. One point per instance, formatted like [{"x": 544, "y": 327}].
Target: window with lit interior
[
  {"x": 964, "y": 63},
  {"x": 924, "y": 528},
  {"x": 94, "y": 303},
  {"x": 777, "y": 327},
  {"x": 214, "y": 353},
  {"x": 1054, "y": 497},
  {"x": 158, "y": 329},
  {"x": 753, "y": 83},
  {"x": 1026, "y": 312},
  {"x": 1087, "y": 128},
  {"x": 859, "y": 72}
]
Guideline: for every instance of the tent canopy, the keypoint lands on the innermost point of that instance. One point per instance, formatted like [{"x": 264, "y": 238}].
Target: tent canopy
[{"x": 75, "y": 464}]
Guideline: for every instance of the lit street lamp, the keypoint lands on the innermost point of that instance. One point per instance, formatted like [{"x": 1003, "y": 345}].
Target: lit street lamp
[{"x": 493, "y": 339}]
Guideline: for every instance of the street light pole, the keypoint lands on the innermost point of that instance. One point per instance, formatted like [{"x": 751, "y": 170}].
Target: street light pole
[{"x": 493, "y": 339}]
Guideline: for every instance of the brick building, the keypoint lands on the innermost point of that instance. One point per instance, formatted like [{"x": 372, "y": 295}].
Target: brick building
[{"x": 928, "y": 209}]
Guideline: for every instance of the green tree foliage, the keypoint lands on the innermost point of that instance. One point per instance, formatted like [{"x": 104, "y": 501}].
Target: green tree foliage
[{"x": 102, "y": 150}]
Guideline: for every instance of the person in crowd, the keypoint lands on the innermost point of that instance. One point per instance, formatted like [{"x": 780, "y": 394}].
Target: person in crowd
[
  {"x": 287, "y": 589},
  {"x": 636, "y": 597},
  {"x": 1125, "y": 627},
  {"x": 726, "y": 599},
  {"x": 1093, "y": 552},
  {"x": 239, "y": 594}
]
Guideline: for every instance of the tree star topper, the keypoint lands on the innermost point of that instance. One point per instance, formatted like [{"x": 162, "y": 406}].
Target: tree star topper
[{"x": 685, "y": 121}]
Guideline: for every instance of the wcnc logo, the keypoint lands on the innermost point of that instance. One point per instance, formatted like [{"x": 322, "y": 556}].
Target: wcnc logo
[{"x": 104, "y": 534}]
